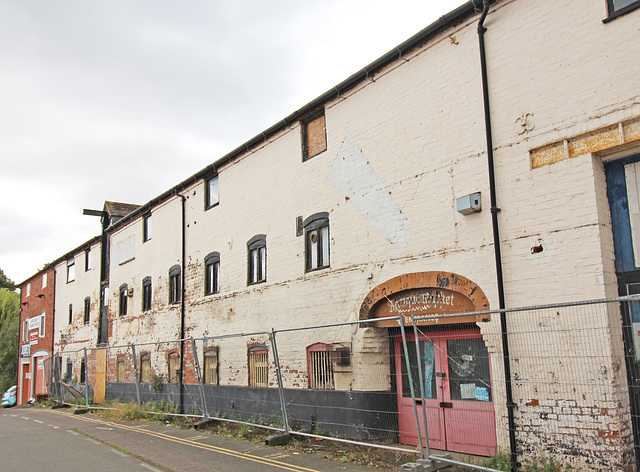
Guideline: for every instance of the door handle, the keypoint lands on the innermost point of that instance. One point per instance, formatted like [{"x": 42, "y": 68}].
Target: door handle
[{"x": 446, "y": 405}]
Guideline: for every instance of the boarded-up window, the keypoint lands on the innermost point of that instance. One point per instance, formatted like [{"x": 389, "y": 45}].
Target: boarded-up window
[
  {"x": 211, "y": 367},
  {"x": 174, "y": 367},
  {"x": 320, "y": 367},
  {"x": 258, "y": 366},
  {"x": 145, "y": 368},
  {"x": 120, "y": 370},
  {"x": 314, "y": 136}
]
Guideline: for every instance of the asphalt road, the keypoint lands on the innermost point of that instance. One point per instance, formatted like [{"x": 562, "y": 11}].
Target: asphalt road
[{"x": 57, "y": 440}]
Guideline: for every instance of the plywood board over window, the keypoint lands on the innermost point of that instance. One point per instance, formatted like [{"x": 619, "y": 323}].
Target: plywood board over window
[{"x": 314, "y": 136}]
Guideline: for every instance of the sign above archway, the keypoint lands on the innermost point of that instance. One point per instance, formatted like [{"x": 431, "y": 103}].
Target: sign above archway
[{"x": 425, "y": 294}]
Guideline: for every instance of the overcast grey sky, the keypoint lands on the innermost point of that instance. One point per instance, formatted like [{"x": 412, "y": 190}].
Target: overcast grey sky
[{"x": 121, "y": 100}]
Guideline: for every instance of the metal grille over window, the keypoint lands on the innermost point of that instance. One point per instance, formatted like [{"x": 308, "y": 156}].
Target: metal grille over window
[
  {"x": 320, "y": 370},
  {"x": 174, "y": 367},
  {"x": 120, "y": 370},
  {"x": 211, "y": 367},
  {"x": 258, "y": 366},
  {"x": 145, "y": 368}
]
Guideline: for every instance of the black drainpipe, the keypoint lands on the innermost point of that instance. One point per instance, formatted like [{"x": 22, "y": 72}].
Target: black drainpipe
[
  {"x": 496, "y": 238},
  {"x": 182, "y": 302}
]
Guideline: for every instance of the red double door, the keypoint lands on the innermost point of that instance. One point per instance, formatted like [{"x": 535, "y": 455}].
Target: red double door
[{"x": 458, "y": 395}]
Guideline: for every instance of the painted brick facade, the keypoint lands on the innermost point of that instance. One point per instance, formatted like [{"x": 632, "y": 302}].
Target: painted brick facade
[{"x": 401, "y": 147}]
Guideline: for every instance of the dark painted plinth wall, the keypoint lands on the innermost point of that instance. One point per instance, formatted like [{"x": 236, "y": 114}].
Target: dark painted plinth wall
[{"x": 348, "y": 415}]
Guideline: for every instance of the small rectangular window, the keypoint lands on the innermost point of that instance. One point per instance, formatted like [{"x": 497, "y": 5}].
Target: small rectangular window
[
  {"x": 146, "y": 228},
  {"x": 145, "y": 368},
  {"x": 212, "y": 192},
  {"x": 25, "y": 331},
  {"x": 175, "y": 294},
  {"x": 211, "y": 367},
  {"x": 146, "y": 294},
  {"x": 120, "y": 370},
  {"x": 258, "y": 366},
  {"x": 28, "y": 289},
  {"x": 71, "y": 270},
  {"x": 174, "y": 367},
  {"x": 212, "y": 273},
  {"x": 87, "y": 260},
  {"x": 87, "y": 310},
  {"x": 44, "y": 280},
  {"x": 42, "y": 324},
  {"x": 314, "y": 136},
  {"x": 70, "y": 313},
  {"x": 317, "y": 241},
  {"x": 257, "y": 263},
  {"x": 320, "y": 367},
  {"x": 123, "y": 300}
]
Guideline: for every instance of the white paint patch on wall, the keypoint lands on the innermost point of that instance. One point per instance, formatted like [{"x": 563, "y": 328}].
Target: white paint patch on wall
[
  {"x": 352, "y": 174},
  {"x": 125, "y": 250}
]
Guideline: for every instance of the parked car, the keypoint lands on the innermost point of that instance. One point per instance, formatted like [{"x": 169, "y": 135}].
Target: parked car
[{"x": 9, "y": 397}]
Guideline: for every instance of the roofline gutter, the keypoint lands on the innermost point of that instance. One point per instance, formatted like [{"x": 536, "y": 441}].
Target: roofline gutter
[
  {"x": 446, "y": 21},
  {"x": 496, "y": 237}
]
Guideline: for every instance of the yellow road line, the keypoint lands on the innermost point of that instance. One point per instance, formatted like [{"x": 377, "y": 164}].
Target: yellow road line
[{"x": 192, "y": 443}]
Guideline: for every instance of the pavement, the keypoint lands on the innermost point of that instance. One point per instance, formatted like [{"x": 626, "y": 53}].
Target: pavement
[{"x": 34, "y": 437}]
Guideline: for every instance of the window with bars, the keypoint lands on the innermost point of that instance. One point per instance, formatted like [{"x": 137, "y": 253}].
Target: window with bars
[
  {"x": 145, "y": 368},
  {"x": 316, "y": 229},
  {"x": 258, "y": 366},
  {"x": 174, "y": 367},
  {"x": 211, "y": 367},
  {"x": 257, "y": 248},
  {"x": 320, "y": 367},
  {"x": 120, "y": 369}
]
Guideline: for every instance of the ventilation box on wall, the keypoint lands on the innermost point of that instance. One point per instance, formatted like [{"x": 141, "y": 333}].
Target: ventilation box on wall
[{"x": 469, "y": 204}]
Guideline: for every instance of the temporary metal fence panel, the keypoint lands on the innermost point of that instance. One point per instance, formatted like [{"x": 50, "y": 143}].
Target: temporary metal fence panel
[{"x": 574, "y": 369}]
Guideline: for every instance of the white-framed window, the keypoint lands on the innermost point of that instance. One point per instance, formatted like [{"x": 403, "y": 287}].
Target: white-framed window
[
  {"x": 257, "y": 263},
  {"x": 316, "y": 229},
  {"x": 44, "y": 280},
  {"x": 71, "y": 270},
  {"x": 212, "y": 273},
  {"x": 28, "y": 289},
  {"x": 212, "y": 192},
  {"x": 146, "y": 228}
]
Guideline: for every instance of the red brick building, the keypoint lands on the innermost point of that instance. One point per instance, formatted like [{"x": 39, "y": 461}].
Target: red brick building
[{"x": 36, "y": 333}]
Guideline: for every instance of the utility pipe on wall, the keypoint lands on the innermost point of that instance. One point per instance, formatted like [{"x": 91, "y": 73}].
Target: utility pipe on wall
[{"x": 496, "y": 237}]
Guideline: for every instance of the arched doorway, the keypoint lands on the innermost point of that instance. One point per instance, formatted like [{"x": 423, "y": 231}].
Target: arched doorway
[{"x": 451, "y": 356}]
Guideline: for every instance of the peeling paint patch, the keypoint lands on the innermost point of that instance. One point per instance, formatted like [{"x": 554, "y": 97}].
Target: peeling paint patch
[
  {"x": 352, "y": 174},
  {"x": 593, "y": 141}
]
